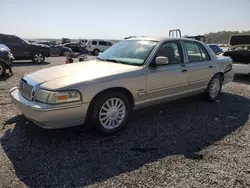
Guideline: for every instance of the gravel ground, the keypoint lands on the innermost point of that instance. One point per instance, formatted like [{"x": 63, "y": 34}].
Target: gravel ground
[{"x": 185, "y": 143}]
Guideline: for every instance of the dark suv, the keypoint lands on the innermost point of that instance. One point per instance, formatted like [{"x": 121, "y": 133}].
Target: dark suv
[
  {"x": 23, "y": 50},
  {"x": 56, "y": 49}
]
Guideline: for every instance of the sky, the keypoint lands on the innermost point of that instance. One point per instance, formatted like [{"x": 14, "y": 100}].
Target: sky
[{"x": 116, "y": 19}]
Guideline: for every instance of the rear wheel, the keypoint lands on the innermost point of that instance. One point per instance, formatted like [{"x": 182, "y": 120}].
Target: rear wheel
[
  {"x": 110, "y": 111},
  {"x": 2, "y": 69},
  {"x": 213, "y": 88},
  {"x": 38, "y": 57},
  {"x": 96, "y": 52}
]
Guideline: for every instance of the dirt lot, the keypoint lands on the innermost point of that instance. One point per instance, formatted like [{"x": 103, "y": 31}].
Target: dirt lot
[{"x": 186, "y": 143}]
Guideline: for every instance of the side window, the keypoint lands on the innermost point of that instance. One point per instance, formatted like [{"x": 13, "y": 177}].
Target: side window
[
  {"x": 94, "y": 42},
  {"x": 172, "y": 50},
  {"x": 102, "y": 43},
  {"x": 12, "y": 40},
  {"x": 196, "y": 52},
  {"x": 1, "y": 38}
]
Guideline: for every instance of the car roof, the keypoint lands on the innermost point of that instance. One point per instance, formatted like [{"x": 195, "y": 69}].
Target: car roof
[
  {"x": 71, "y": 43},
  {"x": 159, "y": 39}
]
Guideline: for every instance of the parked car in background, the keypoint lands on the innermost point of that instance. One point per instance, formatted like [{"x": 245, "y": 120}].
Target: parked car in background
[
  {"x": 6, "y": 59},
  {"x": 198, "y": 37},
  {"x": 74, "y": 46},
  {"x": 95, "y": 46},
  {"x": 56, "y": 49},
  {"x": 239, "y": 51},
  {"x": 23, "y": 50},
  {"x": 217, "y": 50},
  {"x": 131, "y": 74},
  {"x": 65, "y": 40}
]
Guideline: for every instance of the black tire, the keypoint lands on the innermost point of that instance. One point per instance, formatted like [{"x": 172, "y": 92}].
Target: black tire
[
  {"x": 208, "y": 93},
  {"x": 2, "y": 69},
  {"x": 96, "y": 51},
  {"x": 38, "y": 57},
  {"x": 97, "y": 105}
]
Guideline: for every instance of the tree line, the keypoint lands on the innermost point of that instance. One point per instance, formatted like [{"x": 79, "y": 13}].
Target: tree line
[{"x": 222, "y": 37}]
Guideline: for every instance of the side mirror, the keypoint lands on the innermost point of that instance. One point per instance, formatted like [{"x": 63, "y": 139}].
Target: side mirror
[{"x": 161, "y": 60}]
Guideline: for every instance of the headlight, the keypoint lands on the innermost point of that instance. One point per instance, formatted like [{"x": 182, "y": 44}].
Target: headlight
[{"x": 57, "y": 97}]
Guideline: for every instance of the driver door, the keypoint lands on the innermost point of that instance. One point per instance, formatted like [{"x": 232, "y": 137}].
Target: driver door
[{"x": 171, "y": 79}]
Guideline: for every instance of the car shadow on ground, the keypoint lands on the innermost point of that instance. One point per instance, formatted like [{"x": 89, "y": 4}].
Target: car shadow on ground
[
  {"x": 242, "y": 78},
  {"x": 73, "y": 157},
  {"x": 28, "y": 63},
  {"x": 5, "y": 77}
]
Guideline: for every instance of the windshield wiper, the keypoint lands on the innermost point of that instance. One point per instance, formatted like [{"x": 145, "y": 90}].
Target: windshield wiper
[
  {"x": 115, "y": 61},
  {"x": 122, "y": 62},
  {"x": 100, "y": 59}
]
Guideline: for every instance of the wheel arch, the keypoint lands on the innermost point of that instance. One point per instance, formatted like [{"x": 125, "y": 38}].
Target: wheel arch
[
  {"x": 113, "y": 89},
  {"x": 221, "y": 74}
]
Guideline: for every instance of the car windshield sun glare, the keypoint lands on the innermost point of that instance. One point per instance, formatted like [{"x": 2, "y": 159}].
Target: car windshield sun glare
[{"x": 130, "y": 52}]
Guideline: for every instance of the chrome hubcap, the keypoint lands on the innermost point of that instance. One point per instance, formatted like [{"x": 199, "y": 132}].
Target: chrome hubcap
[
  {"x": 214, "y": 87},
  {"x": 1, "y": 69},
  {"x": 112, "y": 113},
  {"x": 38, "y": 57}
]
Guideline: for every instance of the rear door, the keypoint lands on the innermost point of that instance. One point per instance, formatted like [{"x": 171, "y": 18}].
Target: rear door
[
  {"x": 201, "y": 67},
  {"x": 18, "y": 47}
]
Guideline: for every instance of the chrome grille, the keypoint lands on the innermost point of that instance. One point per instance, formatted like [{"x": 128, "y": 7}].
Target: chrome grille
[{"x": 26, "y": 89}]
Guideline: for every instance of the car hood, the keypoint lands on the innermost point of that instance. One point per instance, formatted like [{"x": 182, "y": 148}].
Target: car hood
[
  {"x": 75, "y": 73},
  {"x": 4, "y": 48},
  {"x": 239, "y": 39}
]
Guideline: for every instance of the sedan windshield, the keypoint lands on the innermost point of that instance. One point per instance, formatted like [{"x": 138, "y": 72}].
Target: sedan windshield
[{"x": 131, "y": 52}]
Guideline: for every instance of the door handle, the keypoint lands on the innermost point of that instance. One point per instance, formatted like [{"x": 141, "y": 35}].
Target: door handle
[
  {"x": 211, "y": 66},
  {"x": 184, "y": 70}
]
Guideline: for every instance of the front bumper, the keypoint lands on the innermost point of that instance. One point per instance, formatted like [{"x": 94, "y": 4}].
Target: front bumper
[
  {"x": 241, "y": 68},
  {"x": 48, "y": 54},
  {"x": 50, "y": 116}
]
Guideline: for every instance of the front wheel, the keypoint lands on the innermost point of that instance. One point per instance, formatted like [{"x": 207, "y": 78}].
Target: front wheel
[
  {"x": 2, "y": 69},
  {"x": 110, "y": 112},
  {"x": 213, "y": 88},
  {"x": 38, "y": 57}
]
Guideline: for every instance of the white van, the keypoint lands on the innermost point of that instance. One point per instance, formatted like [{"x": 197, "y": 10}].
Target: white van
[
  {"x": 95, "y": 46},
  {"x": 83, "y": 41}
]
